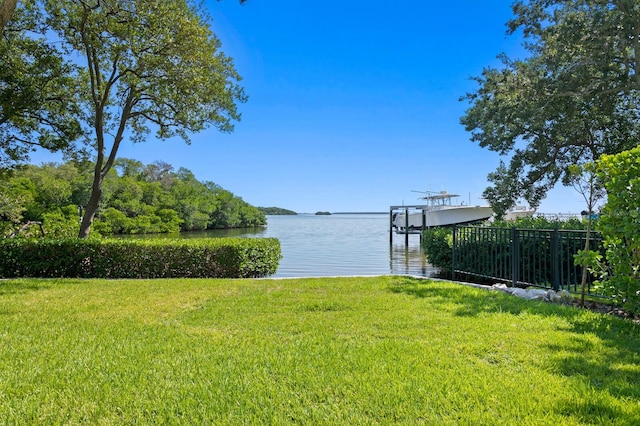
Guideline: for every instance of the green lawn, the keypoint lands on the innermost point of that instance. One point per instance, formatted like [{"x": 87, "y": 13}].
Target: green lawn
[{"x": 383, "y": 350}]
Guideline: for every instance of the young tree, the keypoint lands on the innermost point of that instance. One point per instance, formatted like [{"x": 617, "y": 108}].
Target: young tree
[
  {"x": 150, "y": 66},
  {"x": 584, "y": 180},
  {"x": 573, "y": 99}
]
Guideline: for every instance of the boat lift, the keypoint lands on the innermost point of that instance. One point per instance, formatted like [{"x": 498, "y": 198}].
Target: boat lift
[{"x": 406, "y": 210}]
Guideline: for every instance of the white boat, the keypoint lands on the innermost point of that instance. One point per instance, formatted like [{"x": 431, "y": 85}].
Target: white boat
[
  {"x": 439, "y": 211},
  {"x": 519, "y": 211}
]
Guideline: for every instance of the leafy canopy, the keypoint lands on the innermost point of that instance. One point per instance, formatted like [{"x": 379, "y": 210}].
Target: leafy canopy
[
  {"x": 571, "y": 100},
  {"x": 39, "y": 103}
]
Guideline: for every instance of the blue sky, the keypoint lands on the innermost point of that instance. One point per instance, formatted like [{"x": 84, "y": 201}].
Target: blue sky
[{"x": 352, "y": 104}]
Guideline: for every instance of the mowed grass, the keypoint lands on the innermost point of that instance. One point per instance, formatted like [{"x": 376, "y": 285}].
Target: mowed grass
[{"x": 378, "y": 350}]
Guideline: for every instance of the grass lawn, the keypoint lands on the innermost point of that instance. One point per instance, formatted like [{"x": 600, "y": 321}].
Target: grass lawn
[{"x": 379, "y": 350}]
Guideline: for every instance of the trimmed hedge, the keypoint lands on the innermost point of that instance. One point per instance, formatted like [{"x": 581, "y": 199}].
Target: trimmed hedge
[{"x": 152, "y": 258}]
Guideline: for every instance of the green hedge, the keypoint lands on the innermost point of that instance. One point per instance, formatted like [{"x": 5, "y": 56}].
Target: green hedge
[
  {"x": 153, "y": 258},
  {"x": 436, "y": 243}
]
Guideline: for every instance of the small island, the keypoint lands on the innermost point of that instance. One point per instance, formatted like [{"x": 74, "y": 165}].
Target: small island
[
  {"x": 323, "y": 213},
  {"x": 276, "y": 211}
]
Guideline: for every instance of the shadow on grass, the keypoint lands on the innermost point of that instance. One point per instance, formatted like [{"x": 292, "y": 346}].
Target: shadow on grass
[
  {"x": 17, "y": 286},
  {"x": 468, "y": 301},
  {"x": 615, "y": 371}
]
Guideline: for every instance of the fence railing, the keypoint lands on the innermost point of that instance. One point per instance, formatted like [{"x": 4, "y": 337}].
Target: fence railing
[{"x": 523, "y": 257}]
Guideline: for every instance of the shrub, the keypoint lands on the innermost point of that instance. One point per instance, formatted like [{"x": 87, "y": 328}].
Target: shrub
[
  {"x": 437, "y": 243},
  {"x": 620, "y": 226},
  {"x": 154, "y": 258},
  {"x": 61, "y": 224},
  {"x": 541, "y": 222}
]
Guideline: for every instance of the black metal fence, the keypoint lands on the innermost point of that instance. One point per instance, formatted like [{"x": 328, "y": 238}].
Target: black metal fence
[{"x": 523, "y": 257}]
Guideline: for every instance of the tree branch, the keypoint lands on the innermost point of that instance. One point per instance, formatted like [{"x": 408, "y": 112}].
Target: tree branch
[{"x": 126, "y": 115}]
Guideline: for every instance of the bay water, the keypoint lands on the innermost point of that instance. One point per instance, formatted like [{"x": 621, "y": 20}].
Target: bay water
[{"x": 336, "y": 245}]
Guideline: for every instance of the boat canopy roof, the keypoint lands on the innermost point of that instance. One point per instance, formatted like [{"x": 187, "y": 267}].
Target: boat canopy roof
[
  {"x": 442, "y": 195},
  {"x": 440, "y": 199}
]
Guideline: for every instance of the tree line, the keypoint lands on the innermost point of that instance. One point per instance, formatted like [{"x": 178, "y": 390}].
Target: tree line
[
  {"x": 136, "y": 199},
  {"x": 277, "y": 211}
]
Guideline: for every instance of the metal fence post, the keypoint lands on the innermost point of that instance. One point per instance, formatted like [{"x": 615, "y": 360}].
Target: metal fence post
[
  {"x": 514, "y": 257},
  {"x": 555, "y": 262},
  {"x": 453, "y": 252}
]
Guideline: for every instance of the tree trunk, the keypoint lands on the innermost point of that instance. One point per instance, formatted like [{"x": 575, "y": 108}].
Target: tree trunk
[
  {"x": 92, "y": 205},
  {"x": 583, "y": 284},
  {"x": 7, "y": 7}
]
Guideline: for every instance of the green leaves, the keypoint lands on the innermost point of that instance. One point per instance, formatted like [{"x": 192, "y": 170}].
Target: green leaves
[
  {"x": 620, "y": 224},
  {"x": 39, "y": 104},
  {"x": 587, "y": 258}
]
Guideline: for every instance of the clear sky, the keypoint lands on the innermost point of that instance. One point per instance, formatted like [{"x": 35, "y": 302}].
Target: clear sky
[{"x": 353, "y": 104}]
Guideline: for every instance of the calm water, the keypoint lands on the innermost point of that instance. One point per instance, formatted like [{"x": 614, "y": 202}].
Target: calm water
[{"x": 337, "y": 245}]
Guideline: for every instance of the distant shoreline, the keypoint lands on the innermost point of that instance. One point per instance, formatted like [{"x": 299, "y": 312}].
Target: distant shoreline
[
  {"x": 332, "y": 213},
  {"x": 360, "y": 213}
]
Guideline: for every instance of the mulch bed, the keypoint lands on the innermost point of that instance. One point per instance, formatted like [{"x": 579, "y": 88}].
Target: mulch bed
[{"x": 606, "y": 308}]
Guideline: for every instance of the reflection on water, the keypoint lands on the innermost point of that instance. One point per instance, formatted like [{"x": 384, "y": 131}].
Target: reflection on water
[
  {"x": 336, "y": 245},
  {"x": 409, "y": 259},
  {"x": 220, "y": 233}
]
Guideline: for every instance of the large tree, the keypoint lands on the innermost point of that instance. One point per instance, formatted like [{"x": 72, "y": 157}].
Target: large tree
[
  {"x": 572, "y": 99},
  {"x": 151, "y": 66}
]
